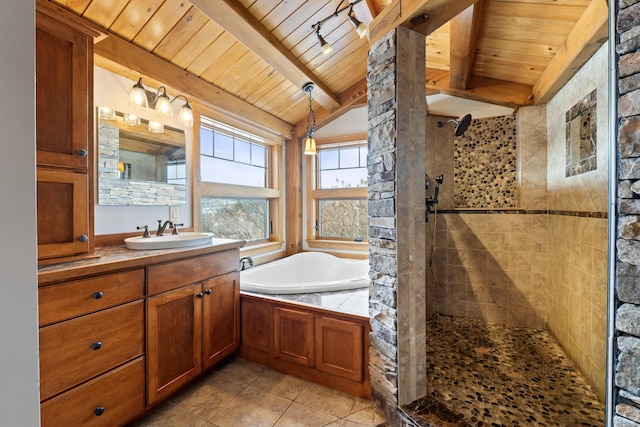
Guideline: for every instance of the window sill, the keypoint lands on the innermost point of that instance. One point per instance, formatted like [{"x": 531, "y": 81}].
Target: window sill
[
  {"x": 263, "y": 252},
  {"x": 341, "y": 248}
]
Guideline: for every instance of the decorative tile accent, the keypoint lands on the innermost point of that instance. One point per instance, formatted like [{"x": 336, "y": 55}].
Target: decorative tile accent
[
  {"x": 485, "y": 164},
  {"x": 582, "y": 135}
]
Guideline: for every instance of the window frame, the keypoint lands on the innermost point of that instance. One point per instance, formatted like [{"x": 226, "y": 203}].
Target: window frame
[
  {"x": 272, "y": 192},
  {"x": 314, "y": 195}
]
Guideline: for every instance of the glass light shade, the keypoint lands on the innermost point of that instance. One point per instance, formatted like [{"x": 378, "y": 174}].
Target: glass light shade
[
  {"x": 106, "y": 113},
  {"x": 163, "y": 106},
  {"x": 138, "y": 96},
  {"x": 309, "y": 146},
  {"x": 361, "y": 29},
  {"x": 156, "y": 127},
  {"x": 326, "y": 48},
  {"x": 132, "y": 120},
  {"x": 186, "y": 115}
]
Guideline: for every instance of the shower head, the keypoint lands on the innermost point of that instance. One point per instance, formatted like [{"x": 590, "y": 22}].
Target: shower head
[{"x": 461, "y": 125}]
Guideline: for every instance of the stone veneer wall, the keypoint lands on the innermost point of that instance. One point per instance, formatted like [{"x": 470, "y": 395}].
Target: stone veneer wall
[
  {"x": 396, "y": 170},
  {"x": 485, "y": 163},
  {"x": 119, "y": 192},
  {"x": 627, "y": 316}
]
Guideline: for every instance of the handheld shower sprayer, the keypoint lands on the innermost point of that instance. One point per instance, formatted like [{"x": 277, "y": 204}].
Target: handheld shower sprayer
[
  {"x": 439, "y": 180},
  {"x": 432, "y": 201}
]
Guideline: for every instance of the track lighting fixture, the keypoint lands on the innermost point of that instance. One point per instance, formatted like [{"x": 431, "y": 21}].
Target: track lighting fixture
[
  {"x": 360, "y": 27},
  {"x": 138, "y": 98},
  {"x": 309, "y": 142},
  {"x": 326, "y": 47}
]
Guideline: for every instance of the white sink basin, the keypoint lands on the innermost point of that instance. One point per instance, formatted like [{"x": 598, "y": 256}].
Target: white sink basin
[{"x": 168, "y": 241}]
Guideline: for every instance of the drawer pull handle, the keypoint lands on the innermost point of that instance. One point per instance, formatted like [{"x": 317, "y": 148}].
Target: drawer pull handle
[
  {"x": 83, "y": 238},
  {"x": 82, "y": 152},
  {"x": 96, "y": 345},
  {"x": 208, "y": 292},
  {"x": 98, "y": 295},
  {"x": 199, "y": 294},
  {"x": 99, "y": 411}
]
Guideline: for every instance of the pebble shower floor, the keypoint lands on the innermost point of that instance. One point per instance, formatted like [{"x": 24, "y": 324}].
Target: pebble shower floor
[{"x": 495, "y": 375}]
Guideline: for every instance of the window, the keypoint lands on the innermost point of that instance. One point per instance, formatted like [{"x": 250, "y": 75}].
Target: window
[
  {"x": 337, "y": 205},
  {"x": 238, "y": 190},
  {"x": 230, "y": 156},
  {"x": 246, "y": 219}
]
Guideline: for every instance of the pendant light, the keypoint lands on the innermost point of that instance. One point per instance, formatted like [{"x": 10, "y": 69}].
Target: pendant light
[{"x": 309, "y": 142}]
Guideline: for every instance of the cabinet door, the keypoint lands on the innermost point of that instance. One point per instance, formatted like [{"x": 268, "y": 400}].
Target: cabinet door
[
  {"x": 220, "y": 317},
  {"x": 64, "y": 101},
  {"x": 339, "y": 348},
  {"x": 174, "y": 340},
  {"x": 63, "y": 214},
  {"x": 293, "y": 340}
]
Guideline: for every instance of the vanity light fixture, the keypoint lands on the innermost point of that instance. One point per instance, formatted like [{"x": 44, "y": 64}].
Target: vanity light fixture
[
  {"x": 309, "y": 142},
  {"x": 138, "y": 99},
  {"x": 138, "y": 96},
  {"x": 360, "y": 27},
  {"x": 106, "y": 113},
  {"x": 163, "y": 103}
]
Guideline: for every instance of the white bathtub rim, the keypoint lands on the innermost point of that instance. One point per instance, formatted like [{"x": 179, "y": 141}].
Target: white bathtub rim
[{"x": 251, "y": 281}]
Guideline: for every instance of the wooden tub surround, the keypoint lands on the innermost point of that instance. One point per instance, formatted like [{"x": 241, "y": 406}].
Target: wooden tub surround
[
  {"x": 319, "y": 345},
  {"x": 121, "y": 332}
]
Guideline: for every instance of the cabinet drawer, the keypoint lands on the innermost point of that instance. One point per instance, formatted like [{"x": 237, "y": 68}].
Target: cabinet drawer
[
  {"x": 110, "y": 400},
  {"x": 172, "y": 275},
  {"x": 79, "y": 349},
  {"x": 72, "y": 299}
]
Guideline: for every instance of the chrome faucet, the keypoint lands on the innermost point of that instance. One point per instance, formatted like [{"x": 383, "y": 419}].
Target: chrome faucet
[
  {"x": 244, "y": 261},
  {"x": 162, "y": 227}
]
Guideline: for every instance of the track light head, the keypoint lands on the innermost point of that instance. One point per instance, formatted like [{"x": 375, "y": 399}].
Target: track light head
[
  {"x": 360, "y": 27},
  {"x": 326, "y": 47}
]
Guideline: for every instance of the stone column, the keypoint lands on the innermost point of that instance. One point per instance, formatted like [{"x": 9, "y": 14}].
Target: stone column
[
  {"x": 627, "y": 371},
  {"x": 396, "y": 114}
]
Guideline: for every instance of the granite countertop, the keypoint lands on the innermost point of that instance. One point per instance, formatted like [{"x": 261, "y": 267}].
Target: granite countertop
[{"x": 119, "y": 257}]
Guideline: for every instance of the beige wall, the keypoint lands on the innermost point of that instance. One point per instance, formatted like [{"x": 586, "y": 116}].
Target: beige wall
[{"x": 576, "y": 292}]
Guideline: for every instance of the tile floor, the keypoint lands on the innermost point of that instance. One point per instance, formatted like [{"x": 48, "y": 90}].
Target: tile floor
[
  {"x": 244, "y": 394},
  {"x": 495, "y": 375}
]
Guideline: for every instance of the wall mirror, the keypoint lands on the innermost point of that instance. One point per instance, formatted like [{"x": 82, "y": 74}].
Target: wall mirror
[
  {"x": 582, "y": 136},
  {"x": 139, "y": 163}
]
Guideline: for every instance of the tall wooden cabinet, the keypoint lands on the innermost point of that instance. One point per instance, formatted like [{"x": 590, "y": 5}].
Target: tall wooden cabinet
[{"x": 64, "y": 137}]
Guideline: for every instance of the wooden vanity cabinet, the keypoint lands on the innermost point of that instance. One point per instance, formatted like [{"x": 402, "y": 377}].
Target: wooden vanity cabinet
[
  {"x": 64, "y": 136},
  {"x": 193, "y": 322}
]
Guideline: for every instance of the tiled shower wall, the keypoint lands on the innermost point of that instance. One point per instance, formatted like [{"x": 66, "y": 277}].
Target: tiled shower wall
[
  {"x": 577, "y": 289},
  {"x": 542, "y": 264}
]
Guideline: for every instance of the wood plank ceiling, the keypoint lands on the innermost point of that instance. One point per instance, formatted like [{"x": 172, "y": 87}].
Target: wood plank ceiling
[{"x": 262, "y": 51}]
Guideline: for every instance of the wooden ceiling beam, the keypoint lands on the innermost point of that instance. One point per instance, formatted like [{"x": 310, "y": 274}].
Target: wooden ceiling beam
[
  {"x": 365, "y": 11},
  {"x": 248, "y": 30},
  {"x": 464, "y": 30},
  {"x": 124, "y": 58},
  {"x": 354, "y": 96},
  {"x": 586, "y": 37},
  {"x": 483, "y": 89},
  {"x": 422, "y": 16}
]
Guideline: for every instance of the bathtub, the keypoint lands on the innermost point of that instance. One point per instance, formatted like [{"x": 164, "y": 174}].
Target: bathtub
[{"x": 306, "y": 272}]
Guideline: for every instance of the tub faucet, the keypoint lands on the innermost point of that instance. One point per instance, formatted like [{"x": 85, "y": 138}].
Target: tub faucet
[
  {"x": 244, "y": 261},
  {"x": 162, "y": 227}
]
